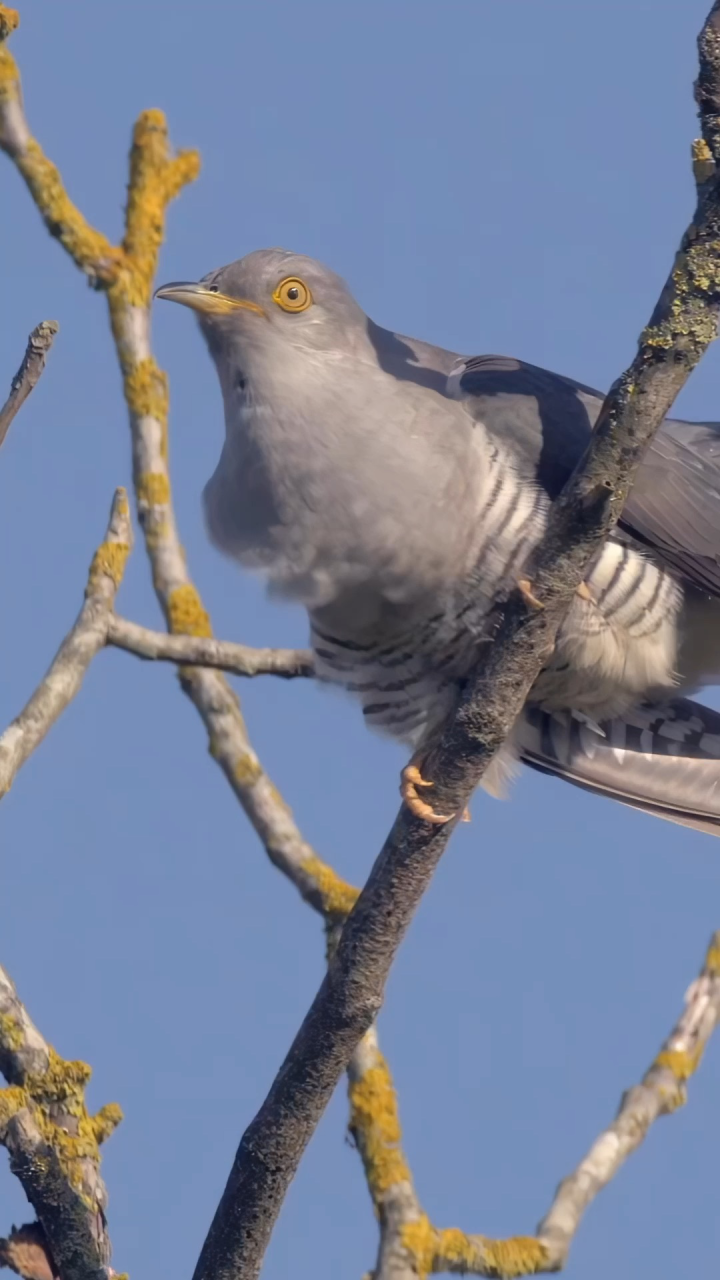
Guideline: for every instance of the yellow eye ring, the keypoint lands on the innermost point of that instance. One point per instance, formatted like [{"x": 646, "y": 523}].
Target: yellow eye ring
[{"x": 292, "y": 294}]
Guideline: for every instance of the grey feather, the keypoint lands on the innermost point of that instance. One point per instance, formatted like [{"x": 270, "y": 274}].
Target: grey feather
[
  {"x": 396, "y": 490},
  {"x": 662, "y": 758}
]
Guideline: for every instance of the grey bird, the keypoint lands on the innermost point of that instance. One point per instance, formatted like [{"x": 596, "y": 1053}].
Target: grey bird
[{"x": 396, "y": 490}]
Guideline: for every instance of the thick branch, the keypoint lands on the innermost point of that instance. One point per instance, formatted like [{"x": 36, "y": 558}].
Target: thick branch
[
  {"x": 206, "y": 651},
  {"x": 683, "y": 324},
  {"x": 28, "y": 375},
  {"x": 77, "y": 650},
  {"x": 53, "y": 1144}
]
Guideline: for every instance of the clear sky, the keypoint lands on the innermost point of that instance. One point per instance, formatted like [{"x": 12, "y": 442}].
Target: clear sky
[{"x": 491, "y": 176}]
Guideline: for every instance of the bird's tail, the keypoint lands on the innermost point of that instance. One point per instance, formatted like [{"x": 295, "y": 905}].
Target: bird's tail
[{"x": 663, "y": 758}]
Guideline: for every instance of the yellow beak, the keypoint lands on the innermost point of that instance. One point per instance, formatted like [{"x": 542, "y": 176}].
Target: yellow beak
[{"x": 203, "y": 299}]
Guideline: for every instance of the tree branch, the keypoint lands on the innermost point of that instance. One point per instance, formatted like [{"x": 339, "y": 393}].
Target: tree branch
[
  {"x": 77, "y": 650},
  {"x": 683, "y": 324},
  {"x": 206, "y": 651},
  {"x": 126, "y": 274},
  {"x": 679, "y": 331},
  {"x": 53, "y": 1142},
  {"x": 28, "y": 375}
]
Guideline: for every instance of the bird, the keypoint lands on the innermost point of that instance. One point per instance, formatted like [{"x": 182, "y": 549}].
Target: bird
[{"x": 396, "y": 490}]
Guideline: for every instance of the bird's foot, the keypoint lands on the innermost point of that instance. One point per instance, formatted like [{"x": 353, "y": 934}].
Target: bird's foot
[
  {"x": 526, "y": 591},
  {"x": 410, "y": 779}
]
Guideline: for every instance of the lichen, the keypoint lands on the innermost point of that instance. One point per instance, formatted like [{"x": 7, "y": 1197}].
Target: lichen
[
  {"x": 712, "y": 959},
  {"x": 91, "y": 250},
  {"x": 106, "y": 1121},
  {"x": 155, "y": 179},
  {"x": 11, "y": 1032},
  {"x": 9, "y": 76},
  {"x": 186, "y": 615},
  {"x": 108, "y": 562},
  {"x": 453, "y": 1250},
  {"x": 375, "y": 1123},
  {"x": 146, "y": 394},
  {"x": 695, "y": 280},
  {"x": 683, "y": 1063},
  {"x": 12, "y": 1100},
  {"x": 702, "y": 161},
  {"x": 153, "y": 488},
  {"x": 9, "y": 19},
  {"x": 338, "y": 897},
  {"x": 246, "y": 770},
  {"x": 59, "y": 1093}
]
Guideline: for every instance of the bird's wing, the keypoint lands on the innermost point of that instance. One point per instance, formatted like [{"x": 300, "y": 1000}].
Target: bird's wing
[
  {"x": 674, "y": 506},
  {"x": 663, "y": 758}
]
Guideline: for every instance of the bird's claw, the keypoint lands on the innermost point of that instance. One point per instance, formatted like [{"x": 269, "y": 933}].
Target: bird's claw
[
  {"x": 526, "y": 591},
  {"x": 410, "y": 779},
  {"x": 585, "y": 593}
]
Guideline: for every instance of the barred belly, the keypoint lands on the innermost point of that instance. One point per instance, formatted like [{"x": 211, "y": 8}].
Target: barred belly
[
  {"x": 406, "y": 690},
  {"x": 618, "y": 643}
]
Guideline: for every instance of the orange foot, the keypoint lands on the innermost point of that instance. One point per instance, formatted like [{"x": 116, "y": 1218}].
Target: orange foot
[
  {"x": 410, "y": 779},
  {"x": 584, "y": 592},
  {"x": 525, "y": 586}
]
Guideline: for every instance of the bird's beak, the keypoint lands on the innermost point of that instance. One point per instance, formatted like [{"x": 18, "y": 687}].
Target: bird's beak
[{"x": 204, "y": 300}]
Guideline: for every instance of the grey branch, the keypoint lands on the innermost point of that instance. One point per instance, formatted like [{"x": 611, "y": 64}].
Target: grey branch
[
  {"x": 77, "y": 650},
  {"x": 410, "y": 1245},
  {"x": 683, "y": 324},
  {"x": 28, "y": 375},
  {"x": 662, "y": 1090},
  {"x": 205, "y": 651},
  {"x": 52, "y": 1143}
]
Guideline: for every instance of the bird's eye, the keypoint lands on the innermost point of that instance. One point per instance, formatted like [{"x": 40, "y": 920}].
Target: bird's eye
[
  {"x": 293, "y": 294},
  {"x": 213, "y": 288}
]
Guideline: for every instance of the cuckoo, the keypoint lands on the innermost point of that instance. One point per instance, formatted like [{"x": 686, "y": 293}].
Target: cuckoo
[{"x": 396, "y": 490}]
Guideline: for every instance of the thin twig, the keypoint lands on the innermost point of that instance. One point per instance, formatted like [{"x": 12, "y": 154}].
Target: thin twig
[
  {"x": 206, "y": 651},
  {"x": 53, "y": 1143},
  {"x": 28, "y": 375},
  {"x": 682, "y": 326},
  {"x": 77, "y": 650}
]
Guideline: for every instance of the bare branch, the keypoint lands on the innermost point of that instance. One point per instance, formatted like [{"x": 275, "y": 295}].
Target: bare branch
[
  {"x": 662, "y": 1091},
  {"x": 28, "y": 375},
  {"x": 126, "y": 274},
  {"x": 205, "y": 651},
  {"x": 682, "y": 326},
  {"x": 53, "y": 1144},
  {"x": 77, "y": 650}
]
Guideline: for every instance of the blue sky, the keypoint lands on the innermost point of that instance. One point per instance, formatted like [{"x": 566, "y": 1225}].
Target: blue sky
[{"x": 507, "y": 177}]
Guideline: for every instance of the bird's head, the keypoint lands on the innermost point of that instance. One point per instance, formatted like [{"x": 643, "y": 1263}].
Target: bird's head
[{"x": 271, "y": 300}]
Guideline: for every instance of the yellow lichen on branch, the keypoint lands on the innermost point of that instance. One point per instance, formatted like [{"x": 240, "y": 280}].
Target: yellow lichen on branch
[
  {"x": 156, "y": 178},
  {"x": 451, "y": 1250},
  {"x": 89, "y": 249},
  {"x": 186, "y": 615},
  {"x": 109, "y": 561},
  {"x": 55, "y": 1099},
  {"x": 9, "y": 19},
  {"x": 375, "y": 1125},
  {"x": 338, "y": 897}
]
